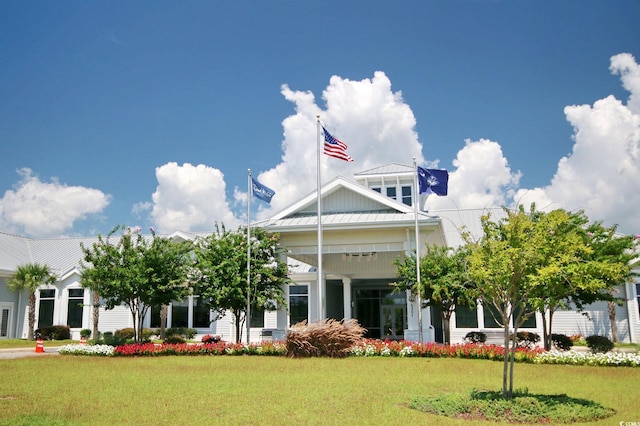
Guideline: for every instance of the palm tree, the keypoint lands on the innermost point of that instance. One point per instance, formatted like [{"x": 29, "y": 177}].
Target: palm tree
[{"x": 29, "y": 277}]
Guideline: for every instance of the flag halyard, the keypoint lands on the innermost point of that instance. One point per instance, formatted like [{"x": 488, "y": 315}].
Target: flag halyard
[{"x": 334, "y": 147}]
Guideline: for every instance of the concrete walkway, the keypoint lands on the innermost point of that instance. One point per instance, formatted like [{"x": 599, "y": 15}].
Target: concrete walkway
[{"x": 13, "y": 353}]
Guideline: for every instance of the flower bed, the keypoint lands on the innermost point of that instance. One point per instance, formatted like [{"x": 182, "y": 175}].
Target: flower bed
[
  {"x": 611, "y": 359},
  {"x": 366, "y": 348},
  {"x": 437, "y": 350},
  {"x": 76, "y": 349}
]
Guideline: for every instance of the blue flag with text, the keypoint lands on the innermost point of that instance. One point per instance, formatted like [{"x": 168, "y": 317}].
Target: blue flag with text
[{"x": 262, "y": 192}]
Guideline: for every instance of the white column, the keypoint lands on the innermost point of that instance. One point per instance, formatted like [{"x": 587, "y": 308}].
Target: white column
[{"x": 346, "y": 295}]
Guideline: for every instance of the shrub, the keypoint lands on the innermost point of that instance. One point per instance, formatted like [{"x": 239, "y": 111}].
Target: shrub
[
  {"x": 108, "y": 338},
  {"x": 186, "y": 333},
  {"x": 126, "y": 333},
  {"x": 599, "y": 344},
  {"x": 85, "y": 332},
  {"x": 475, "y": 337},
  {"x": 174, "y": 339},
  {"x": 561, "y": 341},
  {"x": 54, "y": 332},
  {"x": 210, "y": 339},
  {"x": 526, "y": 339},
  {"x": 327, "y": 338}
]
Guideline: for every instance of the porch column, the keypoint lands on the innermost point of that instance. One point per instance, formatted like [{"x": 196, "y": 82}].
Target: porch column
[{"x": 346, "y": 296}]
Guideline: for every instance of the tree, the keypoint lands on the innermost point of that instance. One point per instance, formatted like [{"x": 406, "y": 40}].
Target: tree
[
  {"x": 580, "y": 264},
  {"x": 561, "y": 273},
  {"x": 137, "y": 272},
  {"x": 541, "y": 261},
  {"x": 29, "y": 277},
  {"x": 443, "y": 281},
  {"x": 499, "y": 266},
  {"x": 221, "y": 273},
  {"x": 616, "y": 254}
]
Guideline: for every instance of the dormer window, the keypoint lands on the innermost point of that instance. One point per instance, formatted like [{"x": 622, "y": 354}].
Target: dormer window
[
  {"x": 391, "y": 192},
  {"x": 407, "y": 197}
]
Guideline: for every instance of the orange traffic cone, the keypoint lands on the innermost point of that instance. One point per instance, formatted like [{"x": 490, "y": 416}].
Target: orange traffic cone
[
  {"x": 83, "y": 340},
  {"x": 39, "y": 346}
]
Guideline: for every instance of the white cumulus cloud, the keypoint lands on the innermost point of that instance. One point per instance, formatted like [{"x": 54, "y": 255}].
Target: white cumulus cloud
[
  {"x": 190, "y": 198},
  {"x": 374, "y": 121},
  {"x": 43, "y": 209},
  {"x": 602, "y": 174},
  {"x": 481, "y": 178}
]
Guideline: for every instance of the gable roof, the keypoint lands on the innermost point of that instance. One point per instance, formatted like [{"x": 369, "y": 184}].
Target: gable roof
[
  {"x": 334, "y": 201},
  {"x": 346, "y": 204}
]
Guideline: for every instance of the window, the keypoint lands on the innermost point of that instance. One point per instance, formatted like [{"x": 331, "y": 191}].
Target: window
[
  {"x": 466, "y": 317},
  {"x": 391, "y": 192},
  {"x": 156, "y": 320},
  {"x": 638, "y": 297},
  {"x": 45, "y": 312},
  {"x": 200, "y": 313},
  {"x": 377, "y": 189},
  {"x": 298, "y": 303},
  {"x": 257, "y": 317},
  {"x": 180, "y": 314},
  {"x": 75, "y": 307},
  {"x": 490, "y": 320},
  {"x": 529, "y": 322},
  {"x": 406, "y": 195}
]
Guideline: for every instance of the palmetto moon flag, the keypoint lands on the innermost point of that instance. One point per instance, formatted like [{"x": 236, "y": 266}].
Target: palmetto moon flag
[
  {"x": 432, "y": 181},
  {"x": 262, "y": 192}
]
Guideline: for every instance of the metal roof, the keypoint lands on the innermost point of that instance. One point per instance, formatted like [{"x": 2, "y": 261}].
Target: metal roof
[
  {"x": 392, "y": 168},
  {"x": 348, "y": 220}
]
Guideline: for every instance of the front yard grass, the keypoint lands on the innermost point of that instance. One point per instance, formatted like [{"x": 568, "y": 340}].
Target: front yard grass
[{"x": 70, "y": 390}]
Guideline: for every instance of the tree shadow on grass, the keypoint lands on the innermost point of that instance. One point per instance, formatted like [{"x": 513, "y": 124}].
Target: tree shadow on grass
[{"x": 523, "y": 407}]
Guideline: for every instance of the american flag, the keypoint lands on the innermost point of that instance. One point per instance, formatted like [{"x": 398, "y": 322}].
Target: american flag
[{"x": 334, "y": 147}]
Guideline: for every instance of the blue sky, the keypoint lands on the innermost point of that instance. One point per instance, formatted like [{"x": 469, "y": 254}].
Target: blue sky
[{"x": 150, "y": 113}]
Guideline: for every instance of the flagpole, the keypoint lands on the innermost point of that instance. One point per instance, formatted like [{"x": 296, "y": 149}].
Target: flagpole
[
  {"x": 249, "y": 194},
  {"x": 319, "y": 269},
  {"x": 415, "y": 210}
]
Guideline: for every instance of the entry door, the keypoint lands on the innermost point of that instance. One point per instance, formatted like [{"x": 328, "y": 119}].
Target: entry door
[
  {"x": 393, "y": 321},
  {"x": 5, "y": 315}
]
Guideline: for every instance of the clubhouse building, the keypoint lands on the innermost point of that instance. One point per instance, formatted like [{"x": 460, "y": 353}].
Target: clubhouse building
[{"x": 368, "y": 221}]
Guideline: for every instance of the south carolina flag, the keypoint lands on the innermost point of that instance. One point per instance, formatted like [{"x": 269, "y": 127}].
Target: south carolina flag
[{"x": 432, "y": 181}]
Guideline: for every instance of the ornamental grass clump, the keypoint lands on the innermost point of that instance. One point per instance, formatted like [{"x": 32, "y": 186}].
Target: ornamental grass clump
[{"x": 327, "y": 338}]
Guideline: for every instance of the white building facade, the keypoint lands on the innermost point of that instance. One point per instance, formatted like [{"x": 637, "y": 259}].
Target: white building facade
[{"x": 366, "y": 224}]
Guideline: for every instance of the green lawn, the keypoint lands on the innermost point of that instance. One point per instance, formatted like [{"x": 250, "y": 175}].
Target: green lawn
[{"x": 256, "y": 390}]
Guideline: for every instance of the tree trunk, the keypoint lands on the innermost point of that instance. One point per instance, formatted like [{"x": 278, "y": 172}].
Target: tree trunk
[
  {"x": 512, "y": 359},
  {"x": 32, "y": 315},
  {"x": 446, "y": 327},
  {"x": 551, "y": 311},
  {"x": 96, "y": 315},
  {"x": 237, "y": 315},
  {"x": 505, "y": 364},
  {"x": 546, "y": 338},
  {"x": 611, "y": 307},
  {"x": 163, "y": 321}
]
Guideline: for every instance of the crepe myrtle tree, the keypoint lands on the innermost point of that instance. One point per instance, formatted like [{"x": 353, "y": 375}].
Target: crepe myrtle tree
[
  {"x": 614, "y": 257},
  {"x": 220, "y": 274},
  {"x": 136, "y": 271},
  {"x": 444, "y": 283},
  {"x": 29, "y": 277},
  {"x": 501, "y": 264}
]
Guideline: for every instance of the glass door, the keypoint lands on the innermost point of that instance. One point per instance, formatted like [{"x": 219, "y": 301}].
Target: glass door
[{"x": 393, "y": 321}]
